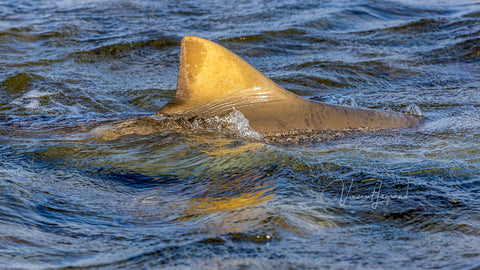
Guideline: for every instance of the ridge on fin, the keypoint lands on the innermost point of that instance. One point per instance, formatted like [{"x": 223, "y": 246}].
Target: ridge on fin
[{"x": 210, "y": 74}]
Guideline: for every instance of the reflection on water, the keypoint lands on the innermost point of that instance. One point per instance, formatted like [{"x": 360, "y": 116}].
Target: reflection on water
[{"x": 89, "y": 179}]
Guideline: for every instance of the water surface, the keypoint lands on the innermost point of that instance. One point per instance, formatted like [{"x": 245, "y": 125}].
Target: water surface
[{"x": 207, "y": 197}]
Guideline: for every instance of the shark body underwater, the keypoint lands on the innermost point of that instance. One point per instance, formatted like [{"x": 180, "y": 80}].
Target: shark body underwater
[{"x": 214, "y": 81}]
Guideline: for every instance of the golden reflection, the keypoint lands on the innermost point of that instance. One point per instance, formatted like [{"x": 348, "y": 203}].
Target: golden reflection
[
  {"x": 228, "y": 203},
  {"x": 247, "y": 214},
  {"x": 231, "y": 214},
  {"x": 222, "y": 146}
]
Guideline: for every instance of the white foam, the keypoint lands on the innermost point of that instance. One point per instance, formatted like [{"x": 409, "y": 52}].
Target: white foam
[
  {"x": 339, "y": 99},
  {"x": 413, "y": 109},
  {"x": 234, "y": 123},
  {"x": 37, "y": 94},
  {"x": 237, "y": 122},
  {"x": 30, "y": 100},
  {"x": 33, "y": 105}
]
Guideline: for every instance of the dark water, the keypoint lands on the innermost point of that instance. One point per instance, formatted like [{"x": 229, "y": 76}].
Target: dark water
[{"x": 212, "y": 198}]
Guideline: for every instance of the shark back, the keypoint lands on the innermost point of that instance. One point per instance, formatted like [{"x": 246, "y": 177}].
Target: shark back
[{"x": 214, "y": 81}]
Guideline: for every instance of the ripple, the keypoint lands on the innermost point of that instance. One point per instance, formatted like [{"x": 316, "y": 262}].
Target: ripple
[
  {"x": 20, "y": 83},
  {"x": 205, "y": 193},
  {"x": 467, "y": 50},
  {"x": 122, "y": 49}
]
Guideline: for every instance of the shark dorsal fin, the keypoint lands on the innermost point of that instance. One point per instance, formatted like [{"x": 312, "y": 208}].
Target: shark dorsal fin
[
  {"x": 213, "y": 81},
  {"x": 208, "y": 72}
]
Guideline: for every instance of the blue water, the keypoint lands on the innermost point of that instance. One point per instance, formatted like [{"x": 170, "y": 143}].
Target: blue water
[{"x": 200, "y": 196}]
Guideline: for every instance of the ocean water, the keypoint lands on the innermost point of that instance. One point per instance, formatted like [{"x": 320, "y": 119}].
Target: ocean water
[{"x": 212, "y": 193}]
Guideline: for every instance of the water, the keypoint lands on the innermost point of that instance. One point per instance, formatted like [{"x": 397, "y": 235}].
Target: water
[{"x": 208, "y": 197}]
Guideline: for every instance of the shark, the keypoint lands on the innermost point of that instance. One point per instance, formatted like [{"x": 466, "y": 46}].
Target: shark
[{"x": 213, "y": 80}]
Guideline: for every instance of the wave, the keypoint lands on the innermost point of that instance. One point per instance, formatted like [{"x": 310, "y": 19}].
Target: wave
[{"x": 120, "y": 50}]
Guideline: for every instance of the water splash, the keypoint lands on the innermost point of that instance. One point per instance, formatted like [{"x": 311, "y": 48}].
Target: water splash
[
  {"x": 414, "y": 110},
  {"x": 234, "y": 123}
]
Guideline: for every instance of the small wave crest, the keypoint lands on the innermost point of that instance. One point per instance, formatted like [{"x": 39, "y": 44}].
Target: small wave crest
[
  {"x": 233, "y": 123},
  {"x": 31, "y": 100},
  {"x": 49, "y": 102},
  {"x": 413, "y": 109},
  {"x": 337, "y": 99}
]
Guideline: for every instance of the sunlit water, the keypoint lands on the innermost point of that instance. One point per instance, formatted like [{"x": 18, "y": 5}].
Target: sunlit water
[{"x": 214, "y": 194}]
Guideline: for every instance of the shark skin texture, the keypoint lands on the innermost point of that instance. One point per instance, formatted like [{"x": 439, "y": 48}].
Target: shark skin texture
[{"x": 214, "y": 81}]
